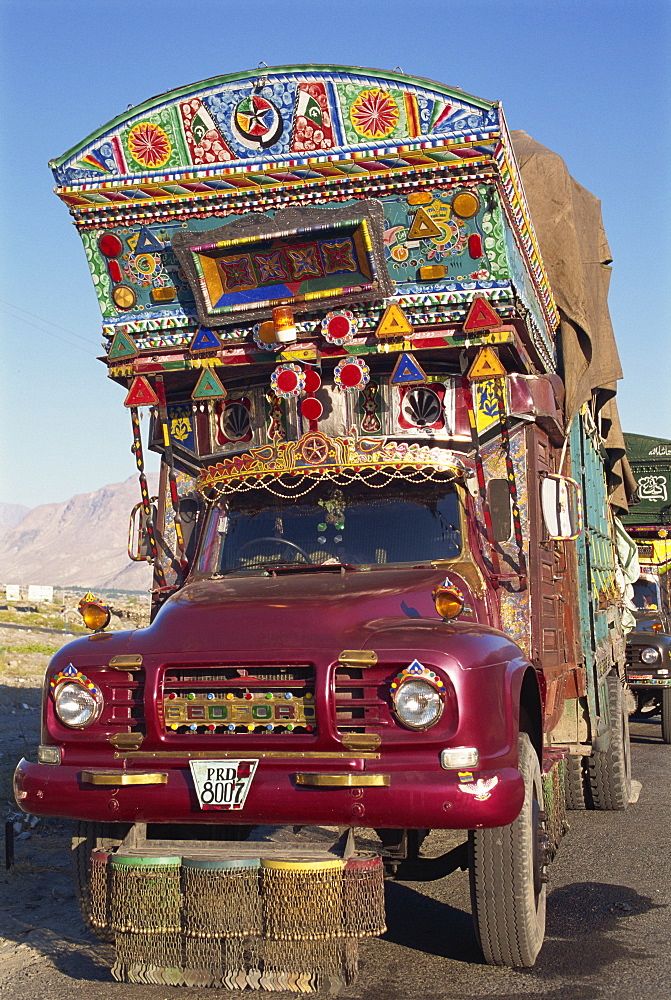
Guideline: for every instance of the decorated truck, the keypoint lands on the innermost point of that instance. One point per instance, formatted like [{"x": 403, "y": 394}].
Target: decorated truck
[
  {"x": 384, "y": 569},
  {"x": 649, "y": 523}
]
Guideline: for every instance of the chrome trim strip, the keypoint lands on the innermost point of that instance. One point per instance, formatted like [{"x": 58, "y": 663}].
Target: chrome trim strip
[
  {"x": 320, "y": 780},
  {"x": 118, "y": 778}
]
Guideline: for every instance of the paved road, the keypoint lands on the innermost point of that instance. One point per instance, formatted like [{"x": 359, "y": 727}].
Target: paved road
[
  {"x": 37, "y": 628},
  {"x": 608, "y": 920}
]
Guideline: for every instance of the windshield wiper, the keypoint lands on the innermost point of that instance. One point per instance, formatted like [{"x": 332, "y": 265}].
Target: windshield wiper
[
  {"x": 273, "y": 568},
  {"x": 308, "y": 567}
]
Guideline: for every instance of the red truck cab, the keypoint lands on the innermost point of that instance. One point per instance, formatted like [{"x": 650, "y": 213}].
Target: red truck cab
[{"x": 367, "y": 707}]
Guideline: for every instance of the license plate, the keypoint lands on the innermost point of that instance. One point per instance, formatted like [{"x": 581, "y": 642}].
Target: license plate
[
  {"x": 640, "y": 677},
  {"x": 222, "y": 784}
]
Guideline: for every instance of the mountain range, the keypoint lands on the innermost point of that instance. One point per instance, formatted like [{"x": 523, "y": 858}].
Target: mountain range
[
  {"x": 11, "y": 514},
  {"x": 79, "y": 543}
]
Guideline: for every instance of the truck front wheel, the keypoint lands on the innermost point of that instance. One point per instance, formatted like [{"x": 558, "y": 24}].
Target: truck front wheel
[
  {"x": 610, "y": 770},
  {"x": 507, "y": 876},
  {"x": 89, "y": 837}
]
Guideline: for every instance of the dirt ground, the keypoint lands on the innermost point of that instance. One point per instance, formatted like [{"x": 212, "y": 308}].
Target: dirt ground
[{"x": 39, "y": 914}]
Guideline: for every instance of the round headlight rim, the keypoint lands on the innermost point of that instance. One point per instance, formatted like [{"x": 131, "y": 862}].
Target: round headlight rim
[
  {"x": 96, "y": 700},
  {"x": 403, "y": 687},
  {"x": 654, "y": 658}
]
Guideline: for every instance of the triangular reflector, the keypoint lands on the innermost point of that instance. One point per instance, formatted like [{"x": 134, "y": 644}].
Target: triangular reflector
[
  {"x": 394, "y": 323},
  {"x": 486, "y": 365},
  {"x": 208, "y": 386},
  {"x": 205, "y": 340},
  {"x": 423, "y": 227},
  {"x": 147, "y": 242},
  {"x": 141, "y": 393},
  {"x": 122, "y": 347},
  {"x": 481, "y": 316},
  {"x": 407, "y": 371}
]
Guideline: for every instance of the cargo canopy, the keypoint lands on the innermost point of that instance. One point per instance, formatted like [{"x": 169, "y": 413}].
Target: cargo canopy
[{"x": 569, "y": 227}]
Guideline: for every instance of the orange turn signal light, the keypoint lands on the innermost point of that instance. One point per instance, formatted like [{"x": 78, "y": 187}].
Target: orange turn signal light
[
  {"x": 96, "y": 616},
  {"x": 449, "y": 600}
]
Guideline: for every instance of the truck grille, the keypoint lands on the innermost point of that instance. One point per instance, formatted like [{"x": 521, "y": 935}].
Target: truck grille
[
  {"x": 124, "y": 702},
  {"x": 238, "y": 698},
  {"x": 363, "y": 699}
]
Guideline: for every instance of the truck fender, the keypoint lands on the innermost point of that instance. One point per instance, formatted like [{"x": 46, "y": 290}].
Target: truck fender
[{"x": 526, "y": 703}]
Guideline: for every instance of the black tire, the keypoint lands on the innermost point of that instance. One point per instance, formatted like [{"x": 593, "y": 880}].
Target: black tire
[
  {"x": 508, "y": 882},
  {"x": 666, "y": 715},
  {"x": 610, "y": 770},
  {"x": 89, "y": 837},
  {"x": 577, "y": 792}
]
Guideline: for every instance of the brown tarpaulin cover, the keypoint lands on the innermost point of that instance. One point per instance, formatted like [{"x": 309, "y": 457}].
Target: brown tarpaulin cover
[{"x": 569, "y": 227}]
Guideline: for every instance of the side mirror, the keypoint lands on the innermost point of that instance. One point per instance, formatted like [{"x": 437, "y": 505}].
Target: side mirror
[
  {"x": 139, "y": 547},
  {"x": 560, "y": 502}
]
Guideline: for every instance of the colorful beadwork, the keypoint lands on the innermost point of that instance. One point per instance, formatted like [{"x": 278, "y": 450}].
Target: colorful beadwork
[
  {"x": 448, "y": 588},
  {"x": 224, "y": 711},
  {"x": 70, "y": 673},
  {"x": 365, "y": 459},
  {"x": 339, "y": 327},
  {"x": 264, "y": 336},
  {"x": 351, "y": 375},
  {"x": 417, "y": 671},
  {"x": 287, "y": 381}
]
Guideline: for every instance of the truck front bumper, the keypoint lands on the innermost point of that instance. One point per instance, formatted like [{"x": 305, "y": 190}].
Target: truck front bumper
[
  {"x": 648, "y": 681},
  {"x": 293, "y": 794}
]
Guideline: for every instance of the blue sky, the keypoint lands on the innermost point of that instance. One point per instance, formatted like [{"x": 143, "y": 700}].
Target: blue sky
[{"x": 591, "y": 80}]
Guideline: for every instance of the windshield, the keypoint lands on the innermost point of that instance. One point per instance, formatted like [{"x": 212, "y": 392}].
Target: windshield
[
  {"x": 352, "y": 525},
  {"x": 646, "y": 595}
]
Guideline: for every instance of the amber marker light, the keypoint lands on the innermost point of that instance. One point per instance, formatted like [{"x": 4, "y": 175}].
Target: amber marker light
[
  {"x": 465, "y": 204},
  {"x": 285, "y": 324},
  {"x": 449, "y": 600},
  {"x": 96, "y": 616}
]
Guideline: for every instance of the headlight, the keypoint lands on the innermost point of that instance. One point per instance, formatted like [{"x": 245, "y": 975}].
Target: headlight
[
  {"x": 76, "y": 706},
  {"x": 649, "y": 655},
  {"x": 418, "y": 704}
]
